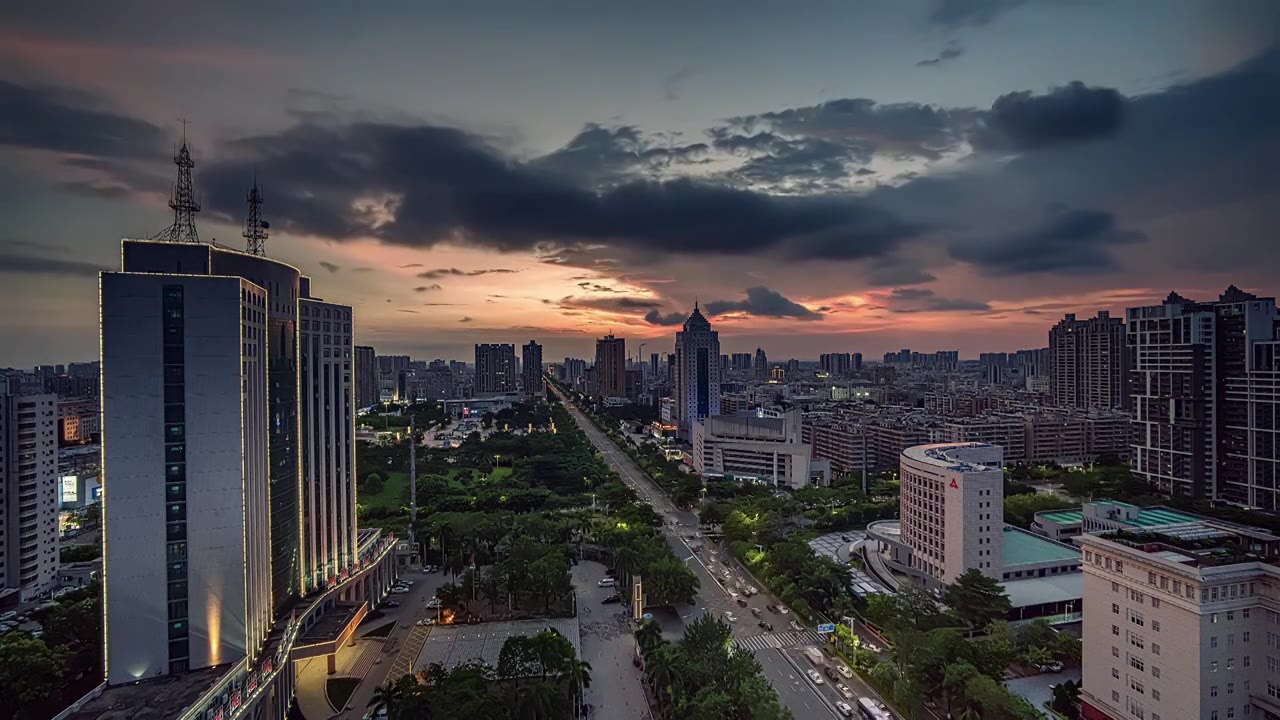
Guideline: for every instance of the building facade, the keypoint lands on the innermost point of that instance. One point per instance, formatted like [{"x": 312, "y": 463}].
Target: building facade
[
  {"x": 843, "y": 444},
  {"x": 366, "y": 376},
  {"x": 756, "y": 448},
  {"x": 698, "y": 372},
  {"x": 326, "y": 400},
  {"x": 611, "y": 367},
  {"x": 1087, "y": 364},
  {"x": 1203, "y": 380},
  {"x": 952, "y": 509},
  {"x": 187, "y": 514},
  {"x": 29, "y": 493},
  {"x": 1181, "y": 622},
  {"x": 495, "y": 369},
  {"x": 531, "y": 370},
  {"x": 836, "y": 363}
]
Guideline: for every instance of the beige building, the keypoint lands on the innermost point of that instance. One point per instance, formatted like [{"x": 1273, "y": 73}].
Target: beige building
[
  {"x": 951, "y": 507},
  {"x": 756, "y": 447},
  {"x": 1003, "y": 430},
  {"x": 1181, "y": 622}
]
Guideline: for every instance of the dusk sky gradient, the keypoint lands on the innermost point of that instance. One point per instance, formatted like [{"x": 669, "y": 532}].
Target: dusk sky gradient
[{"x": 821, "y": 176}]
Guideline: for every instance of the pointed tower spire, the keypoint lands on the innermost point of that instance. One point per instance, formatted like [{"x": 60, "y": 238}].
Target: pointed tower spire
[
  {"x": 255, "y": 228},
  {"x": 183, "y": 199}
]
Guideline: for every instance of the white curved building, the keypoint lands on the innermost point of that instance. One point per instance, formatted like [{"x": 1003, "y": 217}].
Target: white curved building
[{"x": 952, "y": 508}]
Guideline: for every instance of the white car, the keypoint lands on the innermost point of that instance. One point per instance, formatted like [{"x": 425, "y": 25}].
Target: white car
[
  {"x": 844, "y": 708},
  {"x": 844, "y": 690},
  {"x": 425, "y": 621},
  {"x": 606, "y": 582},
  {"x": 434, "y": 602},
  {"x": 782, "y": 609},
  {"x": 814, "y": 677},
  {"x": 399, "y": 590},
  {"x": 730, "y": 616}
]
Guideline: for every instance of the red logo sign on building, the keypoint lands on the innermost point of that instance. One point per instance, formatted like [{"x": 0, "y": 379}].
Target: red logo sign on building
[{"x": 955, "y": 484}]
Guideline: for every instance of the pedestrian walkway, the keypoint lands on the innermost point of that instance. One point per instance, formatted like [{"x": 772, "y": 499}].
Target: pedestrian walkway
[
  {"x": 363, "y": 662},
  {"x": 779, "y": 640},
  {"x": 409, "y": 652}
]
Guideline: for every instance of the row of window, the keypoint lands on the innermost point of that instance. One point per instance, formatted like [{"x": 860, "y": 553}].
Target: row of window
[{"x": 175, "y": 456}]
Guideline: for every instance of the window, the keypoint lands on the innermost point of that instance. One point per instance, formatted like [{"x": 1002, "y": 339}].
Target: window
[
  {"x": 1155, "y": 602},
  {"x": 1115, "y": 608},
  {"x": 1231, "y": 639},
  {"x": 1137, "y": 641},
  {"x": 1231, "y": 616},
  {"x": 1115, "y": 630},
  {"x": 1231, "y": 712},
  {"x": 1213, "y": 691},
  {"x": 1155, "y": 695},
  {"x": 1244, "y": 637},
  {"x": 1213, "y": 715},
  {"x": 1273, "y": 665},
  {"x": 1231, "y": 688},
  {"x": 1155, "y": 671},
  {"x": 1137, "y": 664},
  {"x": 1136, "y": 618},
  {"x": 1245, "y": 612},
  {"x": 1213, "y": 666},
  {"x": 1151, "y": 578},
  {"x": 1155, "y": 624},
  {"x": 1155, "y": 648},
  {"x": 1244, "y": 662},
  {"x": 1115, "y": 673},
  {"x": 1115, "y": 651},
  {"x": 1115, "y": 587},
  {"x": 1115, "y": 696},
  {"x": 1213, "y": 617},
  {"x": 1213, "y": 641},
  {"x": 1136, "y": 686},
  {"x": 1231, "y": 663},
  {"x": 1119, "y": 566}
]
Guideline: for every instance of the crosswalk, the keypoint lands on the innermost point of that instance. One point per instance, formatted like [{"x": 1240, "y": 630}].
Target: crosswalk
[{"x": 766, "y": 641}]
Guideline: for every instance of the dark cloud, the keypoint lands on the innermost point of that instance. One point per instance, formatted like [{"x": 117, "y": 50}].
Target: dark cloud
[
  {"x": 780, "y": 163},
  {"x": 595, "y": 287},
  {"x": 947, "y": 55},
  {"x": 955, "y": 14},
  {"x": 465, "y": 319},
  {"x": 601, "y": 156},
  {"x": 1068, "y": 242},
  {"x": 330, "y": 266},
  {"x": 411, "y": 265},
  {"x": 1068, "y": 114},
  {"x": 655, "y": 317},
  {"x": 446, "y": 272},
  {"x": 427, "y": 288},
  {"x": 914, "y": 300},
  {"x": 39, "y": 247},
  {"x": 60, "y": 120},
  {"x": 890, "y": 271},
  {"x": 612, "y": 304},
  {"x": 15, "y": 264},
  {"x": 414, "y": 312},
  {"x": 763, "y": 302}
]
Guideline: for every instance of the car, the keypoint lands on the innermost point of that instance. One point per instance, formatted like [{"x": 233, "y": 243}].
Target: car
[
  {"x": 399, "y": 590},
  {"x": 730, "y": 616},
  {"x": 796, "y": 626},
  {"x": 782, "y": 609},
  {"x": 756, "y": 612},
  {"x": 1053, "y": 667},
  {"x": 844, "y": 690},
  {"x": 391, "y": 604},
  {"x": 844, "y": 708},
  {"x": 844, "y": 670},
  {"x": 741, "y": 602},
  {"x": 765, "y": 626},
  {"x": 830, "y": 673},
  {"x": 606, "y": 582},
  {"x": 844, "y": 538},
  {"x": 434, "y": 602},
  {"x": 814, "y": 677},
  {"x": 771, "y": 608},
  {"x": 425, "y": 621},
  {"x": 734, "y": 594},
  {"x": 611, "y": 600},
  {"x": 8, "y": 616},
  {"x": 406, "y": 583}
]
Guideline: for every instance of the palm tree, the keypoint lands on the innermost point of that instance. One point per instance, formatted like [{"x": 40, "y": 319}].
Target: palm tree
[
  {"x": 648, "y": 637},
  {"x": 540, "y": 700},
  {"x": 625, "y": 560},
  {"x": 578, "y": 674}
]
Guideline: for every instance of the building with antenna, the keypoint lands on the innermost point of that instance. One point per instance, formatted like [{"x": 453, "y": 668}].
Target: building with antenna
[{"x": 230, "y": 541}]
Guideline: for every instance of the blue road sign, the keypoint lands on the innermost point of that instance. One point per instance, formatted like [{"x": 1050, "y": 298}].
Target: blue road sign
[{"x": 827, "y": 628}]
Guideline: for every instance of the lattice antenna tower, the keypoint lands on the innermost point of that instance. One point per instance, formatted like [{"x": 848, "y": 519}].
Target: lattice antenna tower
[
  {"x": 182, "y": 199},
  {"x": 255, "y": 228}
]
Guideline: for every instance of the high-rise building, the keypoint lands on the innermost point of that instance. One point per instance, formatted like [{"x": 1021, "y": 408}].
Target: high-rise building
[
  {"x": 1205, "y": 384},
  {"x": 531, "y": 370},
  {"x": 389, "y": 369},
  {"x": 757, "y": 448},
  {"x": 611, "y": 366},
  {"x": 327, "y": 431},
  {"x": 857, "y": 362},
  {"x": 188, "y": 514},
  {"x": 741, "y": 361},
  {"x": 697, "y": 372},
  {"x": 836, "y": 363},
  {"x": 762, "y": 365},
  {"x": 29, "y": 493},
  {"x": 1087, "y": 365},
  {"x": 1179, "y": 622},
  {"x": 952, "y": 509},
  {"x": 366, "y": 376},
  {"x": 653, "y": 365},
  {"x": 495, "y": 369}
]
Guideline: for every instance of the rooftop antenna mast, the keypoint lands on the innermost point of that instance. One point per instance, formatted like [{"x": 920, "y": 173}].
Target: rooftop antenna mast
[
  {"x": 182, "y": 200},
  {"x": 255, "y": 229}
]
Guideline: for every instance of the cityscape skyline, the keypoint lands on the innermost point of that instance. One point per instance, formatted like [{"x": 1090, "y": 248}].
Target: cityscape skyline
[{"x": 939, "y": 197}]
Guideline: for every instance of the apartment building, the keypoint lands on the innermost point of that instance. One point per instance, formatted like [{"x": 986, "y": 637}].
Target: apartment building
[
  {"x": 1181, "y": 622},
  {"x": 1087, "y": 365},
  {"x": 842, "y": 443},
  {"x": 1008, "y": 432},
  {"x": 29, "y": 493}
]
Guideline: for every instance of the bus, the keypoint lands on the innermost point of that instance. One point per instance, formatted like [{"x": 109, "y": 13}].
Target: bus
[{"x": 872, "y": 710}]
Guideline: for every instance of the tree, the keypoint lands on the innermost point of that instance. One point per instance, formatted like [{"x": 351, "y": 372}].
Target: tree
[
  {"x": 977, "y": 599},
  {"x": 373, "y": 484},
  {"x": 668, "y": 581},
  {"x": 648, "y": 638},
  {"x": 31, "y": 674},
  {"x": 541, "y": 700},
  {"x": 549, "y": 575},
  {"x": 1066, "y": 698}
]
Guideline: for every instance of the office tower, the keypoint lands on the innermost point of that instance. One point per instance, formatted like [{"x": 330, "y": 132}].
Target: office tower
[
  {"x": 740, "y": 361},
  {"x": 1204, "y": 379},
  {"x": 29, "y": 493},
  {"x": 188, "y": 514},
  {"x": 611, "y": 366},
  {"x": 750, "y": 447},
  {"x": 1087, "y": 365},
  {"x": 697, "y": 372},
  {"x": 495, "y": 369},
  {"x": 1179, "y": 622},
  {"x": 793, "y": 366},
  {"x": 762, "y": 365},
  {"x": 327, "y": 422},
  {"x": 856, "y": 362},
  {"x": 531, "y": 370},
  {"x": 653, "y": 365},
  {"x": 836, "y": 363},
  {"x": 366, "y": 376},
  {"x": 952, "y": 509},
  {"x": 724, "y": 365}
]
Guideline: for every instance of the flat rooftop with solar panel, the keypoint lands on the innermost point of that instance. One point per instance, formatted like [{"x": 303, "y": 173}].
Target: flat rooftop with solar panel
[{"x": 1104, "y": 516}]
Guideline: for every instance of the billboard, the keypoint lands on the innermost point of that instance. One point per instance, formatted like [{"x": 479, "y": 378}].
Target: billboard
[{"x": 70, "y": 489}]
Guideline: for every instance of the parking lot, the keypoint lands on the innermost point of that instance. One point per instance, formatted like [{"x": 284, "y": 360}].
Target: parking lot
[{"x": 616, "y": 692}]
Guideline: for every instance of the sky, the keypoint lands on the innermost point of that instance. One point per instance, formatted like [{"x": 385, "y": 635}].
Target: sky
[{"x": 819, "y": 176}]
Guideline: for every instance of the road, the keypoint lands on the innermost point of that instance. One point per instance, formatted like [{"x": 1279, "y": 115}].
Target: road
[{"x": 777, "y": 650}]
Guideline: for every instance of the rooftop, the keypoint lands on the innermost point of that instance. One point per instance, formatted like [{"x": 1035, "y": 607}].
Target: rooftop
[
  {"x": 1023, "y": 548},
  {"x": 157, "y": 699},
  {"x": 1201, "y": 543},
  {"x": 1042, "y": 591},
  {"x": 1147, "y": 517},
  {"x": 963, "y": 457}
]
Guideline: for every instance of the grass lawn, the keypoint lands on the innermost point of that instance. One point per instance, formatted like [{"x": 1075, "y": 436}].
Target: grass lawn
[
  {"x": 500, "y": 472},
  {"x": 391, "y": 497},
  {"x": 381, "y": 630},
  {"x": 338, "y": 691}
]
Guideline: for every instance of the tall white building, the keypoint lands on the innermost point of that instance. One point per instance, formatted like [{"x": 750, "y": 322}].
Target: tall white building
[
  {"x": 697, "y": 372},
  {"x": 186, "y": 510},
  {"x": 1181, "y": 622},
  {"x": 327, "y": 424},
  {"x": 952, "y": 509},
  {"x": 757, "y": 448},
  {"x": 28, "y": 493}
]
